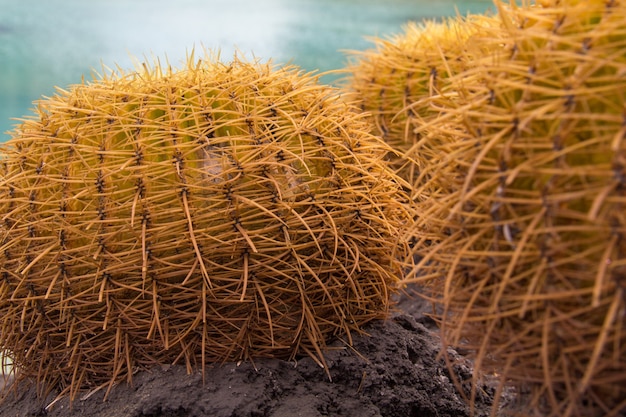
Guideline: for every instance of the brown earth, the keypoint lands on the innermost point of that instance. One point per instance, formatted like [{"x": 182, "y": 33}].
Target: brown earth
[{"x": 395, "y": 371}]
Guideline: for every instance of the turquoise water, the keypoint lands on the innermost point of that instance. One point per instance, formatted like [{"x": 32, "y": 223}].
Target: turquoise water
[{"x": 56, "y": 42}]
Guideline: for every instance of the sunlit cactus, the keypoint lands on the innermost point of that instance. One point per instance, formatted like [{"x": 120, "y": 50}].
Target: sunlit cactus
[{"x": 221, "y": 211}]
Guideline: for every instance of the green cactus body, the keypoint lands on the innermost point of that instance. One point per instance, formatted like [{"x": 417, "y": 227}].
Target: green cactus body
[
  {"x": 530, "y": 254},
  {"x": 218, "y": 212}
]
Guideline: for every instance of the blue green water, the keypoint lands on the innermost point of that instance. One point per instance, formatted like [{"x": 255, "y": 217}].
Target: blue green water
[{"x": 47, "y": 43}]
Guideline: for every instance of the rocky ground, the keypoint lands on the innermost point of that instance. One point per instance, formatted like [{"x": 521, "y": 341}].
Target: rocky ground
[{"x": 394, "y": 371}]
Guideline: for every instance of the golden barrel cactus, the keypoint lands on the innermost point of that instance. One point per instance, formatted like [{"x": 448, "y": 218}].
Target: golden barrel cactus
[
  {"x": 215, "y": 212},
  {"x": 531, "y": 266},
  {"x": 397, "y": 81}
]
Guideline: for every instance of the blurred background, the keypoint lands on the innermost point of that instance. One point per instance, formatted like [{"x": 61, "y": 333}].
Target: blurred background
[{"x": 55, "y": 42}]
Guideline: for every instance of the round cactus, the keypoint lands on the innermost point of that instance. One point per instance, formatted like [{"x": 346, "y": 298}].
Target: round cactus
[
  {"x": 397, "y": 81},
  {"x": 211, "y": 213},
  {"x": 531, "y": 268}
]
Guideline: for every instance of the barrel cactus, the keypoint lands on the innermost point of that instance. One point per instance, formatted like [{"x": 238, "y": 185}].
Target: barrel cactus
[
  {"x": 216, "y": 212},
  {"x": 397, "y": 81},
  {"x": 531, "y": 266}
]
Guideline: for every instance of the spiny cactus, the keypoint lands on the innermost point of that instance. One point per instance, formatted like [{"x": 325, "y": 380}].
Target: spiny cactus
[
  {"x": 395, "y": 81},
  {"x": 531, "y": 265},
  {"x": 211, "y": 213}
]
